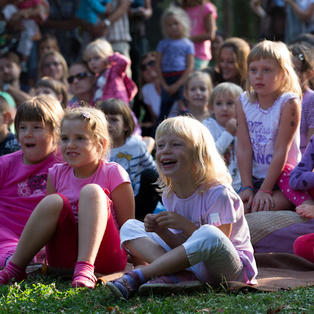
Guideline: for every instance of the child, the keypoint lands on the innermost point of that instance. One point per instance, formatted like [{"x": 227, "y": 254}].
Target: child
[
  {"x": 203, "y": 235},
  {"x": 131, "y": 153},
  {"x": 29, "y": 12},
  {"x": 110, "y": 69},
  {"x": 8, "y": 141},
  {"x": 222, "y": 126},
  {"x": 303, "y": 61},
  {"x": 301, "y": 178},
  {"x": 203, "y": 17},
  {"x": 268, "y": 116},
  {"x": 197, "y": 90},
  {"x": 88, "y": 200},
  {"x": 175, "y": 58},
  {"x": 49, "y": 86},
  {"x": 23, "y": 174},
  {"x": 47, "y": 43}
]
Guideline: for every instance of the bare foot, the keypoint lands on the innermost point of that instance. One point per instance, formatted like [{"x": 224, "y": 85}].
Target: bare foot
[{"x": 306, "y": 210}]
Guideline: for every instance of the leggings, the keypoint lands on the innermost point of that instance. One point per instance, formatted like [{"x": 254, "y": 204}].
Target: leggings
[{"x": 62, "y": 249}]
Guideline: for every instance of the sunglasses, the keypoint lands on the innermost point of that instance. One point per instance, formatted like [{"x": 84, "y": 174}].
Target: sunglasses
[
  {"x": 79, "y": 76},
  {"x": 144, "y": 66}
]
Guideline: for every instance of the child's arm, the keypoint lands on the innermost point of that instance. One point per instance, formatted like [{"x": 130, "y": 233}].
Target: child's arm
[
  {"x": 50, "y": 187},
  {"x": 210, "y": 30},
  {"x": 302, "y": 176},
  {"x": 123, "y": 200},
  {"x": 97, "y": 6},
  {"x": 119, "y": 62},
  {"x": 244, "y": 154},
  {"x": 288, "y": 125}
]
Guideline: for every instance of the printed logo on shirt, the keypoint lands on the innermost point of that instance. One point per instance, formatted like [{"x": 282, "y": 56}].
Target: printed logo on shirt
[
  {"x": 215, "y": 219},
  {"x": 34, "y": 185}
]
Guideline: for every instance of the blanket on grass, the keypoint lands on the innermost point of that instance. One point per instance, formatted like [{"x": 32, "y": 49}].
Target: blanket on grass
[{"x": 276, "y": 271}]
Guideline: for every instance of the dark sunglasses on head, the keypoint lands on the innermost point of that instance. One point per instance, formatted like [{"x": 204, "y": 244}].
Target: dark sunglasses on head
[
  {"x": 148, "y": 64},
  {"x": 79, "y": 76}
]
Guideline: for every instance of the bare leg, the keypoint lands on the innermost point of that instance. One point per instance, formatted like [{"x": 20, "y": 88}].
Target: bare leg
[
  {"x": 38, "y": 230},
  {"x": 281, "y": 202},
  {"x": 92, "y": 221}
]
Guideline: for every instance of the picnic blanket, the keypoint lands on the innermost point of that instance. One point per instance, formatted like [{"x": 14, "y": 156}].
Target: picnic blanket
[{"x": 276, "y": 271}]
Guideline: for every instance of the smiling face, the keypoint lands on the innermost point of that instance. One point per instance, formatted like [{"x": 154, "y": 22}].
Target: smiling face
[
  {"x": 174, "y": 158},
  {"x": 227, "y": 65},
  {"x": 266, "y": 77},
  {"x": 37, "y": 141},
  {"x": 197, "y": 92},
  {"x": 223, "y": 108},
  {"x": 79, "y": 148},
  {"x": 80, "y": 85}
]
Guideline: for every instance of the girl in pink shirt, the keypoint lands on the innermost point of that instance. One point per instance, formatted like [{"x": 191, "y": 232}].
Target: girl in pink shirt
[
  {"x": 23, "y": 174},
  {"x": 203, "y": 17},
  {"x": 88, "y": 200}
]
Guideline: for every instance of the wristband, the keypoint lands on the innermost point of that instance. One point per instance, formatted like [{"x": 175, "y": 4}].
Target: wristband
[
  {"x": 107, "y": 22},
  {"x": 249, "y": 187},
  {"x": 269, "y": 192}
]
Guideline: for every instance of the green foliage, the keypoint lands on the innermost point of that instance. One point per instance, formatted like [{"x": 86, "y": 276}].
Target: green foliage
[{"x": 53, "y": 295}]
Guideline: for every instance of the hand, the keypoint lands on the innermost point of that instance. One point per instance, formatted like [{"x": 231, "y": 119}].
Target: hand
[
  {"x": 150, "y": 223},
  {"x": 99, "y": 30},
  {"x": 247, "y": 197},
  {"x": 262, "y": 202},
  {"x": 231, "y": 126},
  {"x": 169, "y": 219}
]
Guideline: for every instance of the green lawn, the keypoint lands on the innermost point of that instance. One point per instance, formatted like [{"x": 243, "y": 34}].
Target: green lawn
[{"x": 54, "y": 295}]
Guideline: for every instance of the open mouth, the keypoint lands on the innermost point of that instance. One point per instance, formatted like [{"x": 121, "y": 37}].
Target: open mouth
[
  {"x": 30, "y": 145},
  {"x": 168, "y": 162}
]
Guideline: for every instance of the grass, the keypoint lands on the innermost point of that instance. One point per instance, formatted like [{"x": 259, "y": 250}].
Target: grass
[{"x": 54, "y": 295}]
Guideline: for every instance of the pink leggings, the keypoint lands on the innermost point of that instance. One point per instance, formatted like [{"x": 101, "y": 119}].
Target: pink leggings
[
  {"x": 295, "y": 197},
  {"x": 304, "y": 246},
  {"x": 62, "y": 249}
]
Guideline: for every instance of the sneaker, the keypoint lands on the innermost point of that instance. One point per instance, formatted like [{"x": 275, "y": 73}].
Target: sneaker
[
  {"x": 125, "y": 286},
  {"x": 181, "y": 281}
]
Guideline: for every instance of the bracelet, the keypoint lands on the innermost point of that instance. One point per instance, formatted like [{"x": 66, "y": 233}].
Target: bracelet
[
  {"x": 248, "y": 187},
  {"x": 269, "y": 192}
]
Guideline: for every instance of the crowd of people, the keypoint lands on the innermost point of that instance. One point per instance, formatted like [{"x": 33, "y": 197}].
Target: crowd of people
[{"x": 111, "y": 152}]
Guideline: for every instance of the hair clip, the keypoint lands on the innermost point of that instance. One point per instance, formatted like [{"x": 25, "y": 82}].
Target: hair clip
[
  {"x": 301, "y": 57},
  {"x": 85, "y": 115}
]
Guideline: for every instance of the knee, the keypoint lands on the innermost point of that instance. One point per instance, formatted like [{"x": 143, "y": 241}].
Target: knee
[
  {"x": 91, "y": 191},
  {"x": 51, "y": 203}
]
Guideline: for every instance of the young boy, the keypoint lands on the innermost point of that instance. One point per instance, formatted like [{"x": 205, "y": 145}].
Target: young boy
[{"x": 8, "y": 141}]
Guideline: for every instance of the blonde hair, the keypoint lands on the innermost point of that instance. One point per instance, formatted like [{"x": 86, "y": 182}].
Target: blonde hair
[
  {"x": 201, "y": 75},
  {"x": 279, "y": 52},
  {"x": 43, "y": 108},
  {"x": 116, "y": 106},
  {"x": 224, "y": 88},
  {"x": 181, "y": 16},
  {"x": 210, "y": 168},
  {"x": 184, "y": 3},
  {"x": 96, "y": 124},
  {"x": 100, "y": 46},
  {"x": 241, "y": 50},
  {"x": 59, "y": 56},
  {"x": 58, "y": 87}
]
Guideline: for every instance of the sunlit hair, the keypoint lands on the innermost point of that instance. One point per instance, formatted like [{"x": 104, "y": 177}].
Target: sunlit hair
[
  {"x": 100, "y": 46},
  {"x": 200, "y": 75},
  {"x": 305, "y": 53},
  {"x": 209, "y": 167},
  {"x": 96, "y": 125},
  {"x": 181, "y": 16},
  {"x": 59, "y": 56},
  {"x": 225, "y": 88},
  {"x": 279, "y": 52},
  {"x": 58, "y": 87},
  {"x": 116, "y": 106},
  {"x": 43, "y": 108},
  {"x": 185, "y": 4},
  {"x": 241, "y": 50}
]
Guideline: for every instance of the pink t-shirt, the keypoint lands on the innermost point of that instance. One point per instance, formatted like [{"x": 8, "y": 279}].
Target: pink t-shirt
[
  {"x": 197, "y": 15},
  {"x": 108, "y": 175},
  {"x": 217, "y": 206},
  {"x": 22, "y": 187}
]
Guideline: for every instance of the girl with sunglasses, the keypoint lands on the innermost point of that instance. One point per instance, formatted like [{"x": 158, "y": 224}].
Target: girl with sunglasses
[{"x": 81, "y": 83}]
